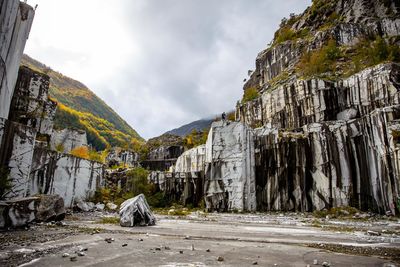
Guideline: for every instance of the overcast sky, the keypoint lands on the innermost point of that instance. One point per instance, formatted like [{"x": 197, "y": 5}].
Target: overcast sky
[{"x": 158, "y": 63}]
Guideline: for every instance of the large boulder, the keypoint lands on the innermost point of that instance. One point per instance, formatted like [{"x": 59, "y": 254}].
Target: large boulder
[
  {"x": 136, "y": 212},
  {"x": 50, "y": 208},
  {"x": 23, "y": 211}
]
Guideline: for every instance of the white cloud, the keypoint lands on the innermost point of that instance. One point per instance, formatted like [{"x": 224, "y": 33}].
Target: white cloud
[{"x": 158, "y": 63}]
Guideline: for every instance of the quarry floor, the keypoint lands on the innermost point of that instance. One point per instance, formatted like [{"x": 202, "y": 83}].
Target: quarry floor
[{"x": 201, "y": 239}]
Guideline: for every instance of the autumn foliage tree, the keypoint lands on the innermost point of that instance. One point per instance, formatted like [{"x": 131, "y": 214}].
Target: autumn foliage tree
[{"x": 80, "y": 152}]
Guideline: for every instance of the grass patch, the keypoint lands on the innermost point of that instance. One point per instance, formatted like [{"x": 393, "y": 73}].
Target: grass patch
[
  {"x": 176, "y": 210},
  {"x": 321, "y": 61},
  {"x": 250, "y": 94},
  {"x": 338, "y": 212},
  {"x": 109, "y": 220},
  {"x": 332, "y": 61}
]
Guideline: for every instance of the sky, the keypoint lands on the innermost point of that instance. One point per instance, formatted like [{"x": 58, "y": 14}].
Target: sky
[{"x": 158, "y": 63}]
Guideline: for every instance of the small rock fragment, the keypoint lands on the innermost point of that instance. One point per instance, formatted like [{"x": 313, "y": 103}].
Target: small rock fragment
[
  {"x": 255, "y": 263},
  {"x": 73, "y": 258},
  {"x": 167, "y": 248},
  {"x": 315, "y": 262},
  {"x": 80, "y": 249},
  {"x": 158, "y": 248},
  {"x": 65, "y": 255},
  {"x": 124, "y": 245},
  {"x": 208, "y": 250},
  {"x": 373, "y": 233},
  {"x": 187, "y": 237},
  {"x": 220, "y": 258},
  {"x": 111, "y": 206},
  {"x": 81, "y": 254},
  {"x": 326, "y": 264},
  {"x": 109, "y": 240},
  {"x": 192, "y": 247},
  {"x": 181, "y": 251},
  {"x": 140, "y": 239}
]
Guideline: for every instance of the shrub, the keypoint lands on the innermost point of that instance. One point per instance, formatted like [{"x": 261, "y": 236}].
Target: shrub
[
  {"x": 250, "y": 94},
  {"x": 80, "y": 152},
  {"x": 158, "y": 200},
  {"x": 60, "y": 148},
  {"x": 370, "y": 52},
  {"x": 284, "y": 34},
  {"x": 320, "y": 61},
  {"x": 195, "y": 138},
  {"x": 138, "y": 181},
  {"x": 230, "y": 117},
  {"x": 102, "y": 195},
  {"x": 96, "y": 156}
]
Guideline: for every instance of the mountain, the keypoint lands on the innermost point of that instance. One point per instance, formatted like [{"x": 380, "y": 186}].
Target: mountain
[
  {"x": 79, "y": 107},
  {"x": 186, "y": 129}
]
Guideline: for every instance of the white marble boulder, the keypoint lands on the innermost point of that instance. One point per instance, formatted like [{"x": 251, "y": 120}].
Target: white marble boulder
[
  {"x": 136, "y": 212},
  {"x": 84, "y": 206}
]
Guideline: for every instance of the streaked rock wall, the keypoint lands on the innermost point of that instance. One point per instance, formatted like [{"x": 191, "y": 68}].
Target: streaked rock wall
[{"x": 15, "y": 23}]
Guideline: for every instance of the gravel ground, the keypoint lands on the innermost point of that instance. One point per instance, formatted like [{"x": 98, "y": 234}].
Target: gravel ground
[{"x": 202, "y": 239}]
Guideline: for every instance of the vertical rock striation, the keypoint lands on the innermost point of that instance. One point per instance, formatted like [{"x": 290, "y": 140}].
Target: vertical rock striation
[
  {"x": 328, "y": 139},
  {"x": 15, "y": 23},
  {"x": 72, "y": 178},
  {"x": 230, "y": 182}
]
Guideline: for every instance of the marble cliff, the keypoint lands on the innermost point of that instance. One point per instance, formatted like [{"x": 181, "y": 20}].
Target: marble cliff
[
  {"x": 322, "y": 126},
  {"x": 27, "y": 138},
  {"x": 328, "y": 139}
]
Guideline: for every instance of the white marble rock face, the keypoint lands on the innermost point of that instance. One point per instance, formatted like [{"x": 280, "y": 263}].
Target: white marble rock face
[
  {"x": 299, "y": 102},
  {"x": 17, "y": 141},
  {"x": 192, "y": 160},
  {"x": 72, "y": 178},
  {"x": 15, "y": 24},
  {"x": 68, "y": 139},
  {"x": 230, "y": 171},
  {"x": 30, "y": 103},
  {"x": 331, "y": 164},
  {"x": 127, "y": 157}
]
